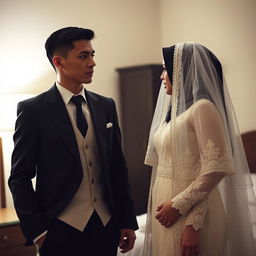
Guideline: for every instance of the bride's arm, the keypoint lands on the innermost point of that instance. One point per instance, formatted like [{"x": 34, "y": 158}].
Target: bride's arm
[{"x": 215, "y": 161}]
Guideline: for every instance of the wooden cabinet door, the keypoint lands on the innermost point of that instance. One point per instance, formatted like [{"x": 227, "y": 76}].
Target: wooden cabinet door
[{"x": 139, "y": 88}]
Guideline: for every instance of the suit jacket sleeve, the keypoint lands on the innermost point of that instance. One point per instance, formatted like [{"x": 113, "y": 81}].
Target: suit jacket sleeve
[
  {"x": 120, "y": 180},
  {"x": 24, "y": 160}
]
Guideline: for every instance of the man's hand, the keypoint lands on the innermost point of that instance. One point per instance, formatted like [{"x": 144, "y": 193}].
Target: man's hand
[
  {"x": 167, "y": 215},
  {"x": 190, "y": 242},
  {"x": 127, "y": 239}
]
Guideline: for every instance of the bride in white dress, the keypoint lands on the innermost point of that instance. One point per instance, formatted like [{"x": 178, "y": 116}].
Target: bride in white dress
[{"x": 200, "y": 186}]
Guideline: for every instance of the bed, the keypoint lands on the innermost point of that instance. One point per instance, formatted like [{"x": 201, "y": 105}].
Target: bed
[{"x": 249, "y": 141}]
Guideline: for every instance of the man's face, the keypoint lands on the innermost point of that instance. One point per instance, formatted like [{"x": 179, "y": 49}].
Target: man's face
[{"x": 78, "y": 65}]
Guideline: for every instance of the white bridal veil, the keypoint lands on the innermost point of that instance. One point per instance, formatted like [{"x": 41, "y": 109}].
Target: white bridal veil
[{"x": 197, "y": 74}]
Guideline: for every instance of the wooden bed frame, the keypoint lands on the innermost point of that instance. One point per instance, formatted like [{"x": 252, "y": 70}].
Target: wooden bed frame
[
  {"x": 2, "y": 186},
  {"x": 249, "y": 141}
]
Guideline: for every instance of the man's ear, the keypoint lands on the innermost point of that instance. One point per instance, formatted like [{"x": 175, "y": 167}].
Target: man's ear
[{"x": 57, "y": 61}]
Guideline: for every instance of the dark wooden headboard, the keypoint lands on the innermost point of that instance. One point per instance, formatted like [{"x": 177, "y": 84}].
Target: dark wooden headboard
[
  {"x": 249, "y": 141},
  {"x": 2, "y": 189}
]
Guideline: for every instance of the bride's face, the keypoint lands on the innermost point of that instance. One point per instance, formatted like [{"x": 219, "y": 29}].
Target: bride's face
[{"x": 167, "y": 83}]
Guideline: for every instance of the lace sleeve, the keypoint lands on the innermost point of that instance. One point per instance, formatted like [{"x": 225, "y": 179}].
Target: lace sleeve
[
  {"x": 196, "y": 191},
  {"x": 197, "y": 214},
  {"x": 215, "y": 163},
  {"x": 211, "y": 138}
]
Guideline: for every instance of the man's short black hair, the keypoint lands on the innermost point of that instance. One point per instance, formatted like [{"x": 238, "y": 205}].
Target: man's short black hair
[{"x": 61, "y": 41}]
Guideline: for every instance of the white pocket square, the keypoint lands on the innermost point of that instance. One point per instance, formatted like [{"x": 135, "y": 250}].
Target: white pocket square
[{"x": 109, "y": 125}]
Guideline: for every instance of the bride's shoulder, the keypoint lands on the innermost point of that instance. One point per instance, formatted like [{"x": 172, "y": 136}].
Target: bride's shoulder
[
  {"x": 203, "y": 105},
  {"x": 205, "y": 110}
]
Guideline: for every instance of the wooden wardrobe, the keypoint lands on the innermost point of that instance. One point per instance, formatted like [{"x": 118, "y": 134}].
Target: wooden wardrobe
[{"x": 138, "y": 87}]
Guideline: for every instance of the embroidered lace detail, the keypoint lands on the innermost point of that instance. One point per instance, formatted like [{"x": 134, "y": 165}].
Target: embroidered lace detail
[
  {"x": 197, "y": 214},
  {"x": 213, "y": 159},
  {"x": 177, "y": 60},
  {"x": 189, "y": 165},
  {"x": 165, "y": 171},
  {"x": 188, "y": 198}
]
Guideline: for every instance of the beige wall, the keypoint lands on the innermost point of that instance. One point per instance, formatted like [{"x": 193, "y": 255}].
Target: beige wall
[
  {"x": 227, "y": 27},
  {"x": 127, "y": 33}
]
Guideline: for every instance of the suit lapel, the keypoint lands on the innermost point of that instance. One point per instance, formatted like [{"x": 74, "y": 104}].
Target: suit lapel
[
  {"x": 99, "y": 122},
  {"x": 57, "y": 111}
]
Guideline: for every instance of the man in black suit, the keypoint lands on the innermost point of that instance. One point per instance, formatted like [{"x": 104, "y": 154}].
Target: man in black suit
[{"x": 69, "y": 139}]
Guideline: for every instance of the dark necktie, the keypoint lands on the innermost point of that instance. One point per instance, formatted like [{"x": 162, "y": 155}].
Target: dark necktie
[
  {"x": 168, "y": 114},
  {"x": 80, "y": 118}
]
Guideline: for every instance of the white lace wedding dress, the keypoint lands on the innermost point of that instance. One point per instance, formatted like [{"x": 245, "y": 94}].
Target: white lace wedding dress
[{"x": 192, "y": 185}]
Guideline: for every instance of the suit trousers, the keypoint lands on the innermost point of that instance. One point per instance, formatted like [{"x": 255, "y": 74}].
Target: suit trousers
[{"x": 96, "y": 240}]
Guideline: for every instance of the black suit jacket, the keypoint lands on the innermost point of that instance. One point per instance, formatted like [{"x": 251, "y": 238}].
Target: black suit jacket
[{"x": 46, "y": 148}]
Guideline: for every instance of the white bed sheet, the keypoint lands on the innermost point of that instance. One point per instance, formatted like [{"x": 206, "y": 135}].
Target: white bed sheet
[{"x": 253, "y": 206}]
